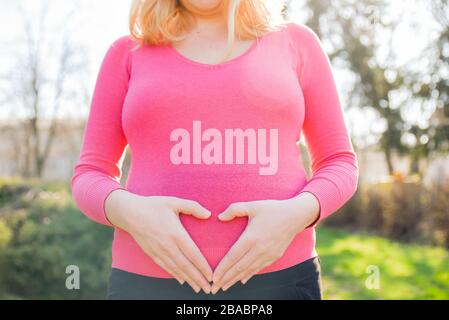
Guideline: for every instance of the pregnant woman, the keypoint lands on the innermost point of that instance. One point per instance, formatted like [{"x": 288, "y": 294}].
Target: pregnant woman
[{"x": 212, "y": 96}]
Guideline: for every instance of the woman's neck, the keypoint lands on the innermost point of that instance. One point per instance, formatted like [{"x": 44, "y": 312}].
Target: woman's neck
[{"x": 208, "y": 21}]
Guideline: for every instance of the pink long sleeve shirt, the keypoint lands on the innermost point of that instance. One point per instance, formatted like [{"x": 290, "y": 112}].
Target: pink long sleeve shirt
[{"x": 216, "y": 134}]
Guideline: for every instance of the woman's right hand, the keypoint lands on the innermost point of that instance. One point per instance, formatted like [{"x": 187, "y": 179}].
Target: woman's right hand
[{"x": 153, "y": 221}]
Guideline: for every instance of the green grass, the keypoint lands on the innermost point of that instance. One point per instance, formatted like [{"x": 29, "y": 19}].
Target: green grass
[{"x": 407, "y": 271}]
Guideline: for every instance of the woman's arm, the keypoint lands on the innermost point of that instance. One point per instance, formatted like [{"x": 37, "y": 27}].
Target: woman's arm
[
  {"x": 98, "y": 170},
  {"x": 333, "y": 160}
]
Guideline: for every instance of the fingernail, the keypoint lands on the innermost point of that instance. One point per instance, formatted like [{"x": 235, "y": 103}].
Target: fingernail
[{"x": 206, "y": 290}]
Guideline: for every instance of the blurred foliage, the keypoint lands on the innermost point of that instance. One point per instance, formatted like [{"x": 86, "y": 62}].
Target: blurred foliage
[
  {"x": 41, "y": 233},
  {"x": 352, "y": 29},
  {"x": 399, "y": 210},
  {"x": 405, "y": 271}
]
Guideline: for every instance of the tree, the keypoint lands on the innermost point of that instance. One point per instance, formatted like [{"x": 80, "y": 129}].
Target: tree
[
  {"x": 439, "y": 131},
  {"x": 351, "y": 27},
  {"x": 39, "y": 85}
]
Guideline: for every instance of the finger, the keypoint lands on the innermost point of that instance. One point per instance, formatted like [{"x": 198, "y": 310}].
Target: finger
[
  {"x": 185, "y": 276},
  {"x": 192, "y": 283},
  {"x": 193, "y": 253},
  {"x": 163, "y": 264},
  {"x": 246, "y": 277},
  {"x": 191, "y": 271},
  {"x": 237, "y": 270},
  {"x": 237, "y": 209},
  {"x": 174, "y": 273},
  {"x": 240, "y": 247},
  {"x": 249, "y": 273},
  {"x": 252, "y": 270},
  {"x": 192, "y": 208},
  {"x": 170, "y": 267},
  {"x": 167, "y": 262}
]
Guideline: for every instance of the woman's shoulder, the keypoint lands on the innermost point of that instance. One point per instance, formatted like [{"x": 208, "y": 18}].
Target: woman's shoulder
[
  {"x": 124, "y": 43},
  {"x": 119, "y": 52},
  {"x": 301, "y": 32},
  {"x": 303, "y": 40}
]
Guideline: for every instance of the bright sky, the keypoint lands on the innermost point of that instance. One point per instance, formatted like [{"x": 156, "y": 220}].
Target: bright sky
[
  {"x": 100, "y": 22},
  {"x": 97, "y": 24}
]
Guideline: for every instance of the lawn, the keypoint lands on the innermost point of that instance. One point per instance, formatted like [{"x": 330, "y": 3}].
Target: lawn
[
  {"x": 50, "y": 233},
  {"x": 406, "y": 271}
]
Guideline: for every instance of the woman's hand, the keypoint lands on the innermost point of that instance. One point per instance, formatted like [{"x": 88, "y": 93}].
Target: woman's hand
[
  {"x": 271, "y": 227},
  {"x": 155, "y": 225}
]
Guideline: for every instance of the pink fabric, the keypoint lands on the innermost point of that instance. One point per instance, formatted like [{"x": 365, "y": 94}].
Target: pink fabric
[{"x": 284, "y": 82}]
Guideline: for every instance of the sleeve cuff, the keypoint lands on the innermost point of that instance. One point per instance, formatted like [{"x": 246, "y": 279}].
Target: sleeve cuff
[
  {"x": 324, "y": 192},
  {"x": 94, "y": 198},
  {"x": 103, "y": 216}
]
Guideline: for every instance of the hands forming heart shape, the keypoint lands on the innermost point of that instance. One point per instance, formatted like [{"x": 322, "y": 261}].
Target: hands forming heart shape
[{"x": 272, "y": 225}]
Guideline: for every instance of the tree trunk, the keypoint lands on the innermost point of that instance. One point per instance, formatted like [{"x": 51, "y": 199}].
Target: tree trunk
[{"x": 389, "y": 161}]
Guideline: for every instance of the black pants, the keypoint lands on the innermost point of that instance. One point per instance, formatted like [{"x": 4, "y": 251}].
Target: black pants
[{"x": 300, "y": 282}]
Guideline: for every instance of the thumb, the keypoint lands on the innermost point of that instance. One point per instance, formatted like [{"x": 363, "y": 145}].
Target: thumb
[
  {"x": 238, "y": 209},
  {"x": 192, "y": 208}
]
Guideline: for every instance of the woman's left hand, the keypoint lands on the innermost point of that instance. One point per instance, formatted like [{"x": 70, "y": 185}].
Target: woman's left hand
[{"x": 272, "y": 225}]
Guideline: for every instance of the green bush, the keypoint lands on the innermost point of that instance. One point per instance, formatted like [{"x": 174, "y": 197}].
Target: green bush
[
  {"x": 41, "y": 233},
  {"x": 399, "y": 210},
  {"x": 436, "y": 215}
]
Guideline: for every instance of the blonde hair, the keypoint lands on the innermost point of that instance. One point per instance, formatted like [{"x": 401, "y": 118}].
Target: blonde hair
[{"x": 156, "y": 22}]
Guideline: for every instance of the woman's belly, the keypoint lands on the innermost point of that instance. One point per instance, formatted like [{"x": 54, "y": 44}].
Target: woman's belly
[{"x": 214, "y": 190}]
